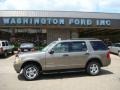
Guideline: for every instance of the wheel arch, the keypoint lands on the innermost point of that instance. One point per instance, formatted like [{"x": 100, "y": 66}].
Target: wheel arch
[
  {"x": 31, "y": 62},
  {"x": 94, "y": 60}
]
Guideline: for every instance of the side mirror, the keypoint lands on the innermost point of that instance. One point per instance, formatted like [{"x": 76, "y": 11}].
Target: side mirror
[{"x": 51, "y": 52}]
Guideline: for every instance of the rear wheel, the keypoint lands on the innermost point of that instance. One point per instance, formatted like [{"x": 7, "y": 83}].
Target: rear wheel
[
  {"x": 31, "y": 72},
  {"x": 93, "y": 68}
]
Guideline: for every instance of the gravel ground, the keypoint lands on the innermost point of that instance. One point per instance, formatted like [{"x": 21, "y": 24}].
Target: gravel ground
[{"x": 109, "y": 79}]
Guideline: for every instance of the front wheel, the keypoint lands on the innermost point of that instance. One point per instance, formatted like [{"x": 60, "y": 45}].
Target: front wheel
[
  {"x": 93, "y": 68},
  {"x": 31, "y": 72}
]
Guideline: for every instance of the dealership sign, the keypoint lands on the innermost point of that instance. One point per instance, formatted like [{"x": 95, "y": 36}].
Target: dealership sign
[{"x": 54, "y": 21}]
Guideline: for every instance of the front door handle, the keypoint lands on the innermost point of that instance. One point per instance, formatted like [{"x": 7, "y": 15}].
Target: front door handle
[{"x": 65, "y": 55}]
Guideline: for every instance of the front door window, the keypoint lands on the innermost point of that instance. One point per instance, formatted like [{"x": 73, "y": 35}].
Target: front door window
[{"x": 61, "y": 48}]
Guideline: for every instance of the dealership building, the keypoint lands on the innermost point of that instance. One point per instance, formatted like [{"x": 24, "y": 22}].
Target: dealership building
[{"x": 46, "y": 26}]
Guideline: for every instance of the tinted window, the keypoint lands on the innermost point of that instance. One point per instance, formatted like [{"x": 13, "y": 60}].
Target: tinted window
[
  {"x": 78, "y": 47},
  {"x": 117, "y": 45},
  {"x": 98, "y": 45},
  {"x": 3, "y": 43},
  {"x": 29, "y": 45},
  {"x": 61, "y": 47},
  {"x": 6, "y": 43}
]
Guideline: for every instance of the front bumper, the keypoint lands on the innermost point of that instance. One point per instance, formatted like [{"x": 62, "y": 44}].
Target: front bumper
[
  {"x": 17, "y": 65},
  {"x": 17, "y": 69}
]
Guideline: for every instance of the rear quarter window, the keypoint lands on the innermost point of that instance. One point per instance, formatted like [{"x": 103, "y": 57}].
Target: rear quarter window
[{"x": 98, "y": 45}]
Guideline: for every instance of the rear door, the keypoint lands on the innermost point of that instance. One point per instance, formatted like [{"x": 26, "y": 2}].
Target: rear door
[{"x": 78, "y": 54}]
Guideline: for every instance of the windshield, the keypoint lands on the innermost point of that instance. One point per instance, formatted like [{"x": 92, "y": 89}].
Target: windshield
[
  {"x": 27, "y": 45},
  {"x": 48, "y": 46}
]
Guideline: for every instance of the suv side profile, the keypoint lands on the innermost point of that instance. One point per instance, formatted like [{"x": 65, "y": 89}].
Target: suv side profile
[{"x": 88, "y": 53}]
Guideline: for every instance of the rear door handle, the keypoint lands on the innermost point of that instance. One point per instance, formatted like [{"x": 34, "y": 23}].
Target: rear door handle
[{"x": 65, "y": 55}]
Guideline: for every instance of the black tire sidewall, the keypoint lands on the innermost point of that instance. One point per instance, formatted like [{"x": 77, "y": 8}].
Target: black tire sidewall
[
  {"x": 5, "y": 54},
  {"x": 26, "y": 67},
  {"x": 12, "y": 52},
  {"x": 88, "y": 68}
]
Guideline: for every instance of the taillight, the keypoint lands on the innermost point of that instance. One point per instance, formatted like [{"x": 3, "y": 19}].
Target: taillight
[{"x": 108, "y": 55}]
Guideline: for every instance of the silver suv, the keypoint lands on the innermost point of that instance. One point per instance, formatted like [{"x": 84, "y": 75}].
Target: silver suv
[{"x": 88, "y": 53}]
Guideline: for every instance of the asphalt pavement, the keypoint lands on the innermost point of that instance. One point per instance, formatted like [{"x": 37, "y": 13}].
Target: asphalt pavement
[{"x": 109, "y": 79}]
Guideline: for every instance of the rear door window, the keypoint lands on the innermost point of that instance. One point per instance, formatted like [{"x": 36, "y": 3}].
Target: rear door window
[
  {"x": 78, "y": 46},
  {"x": 98, "y": 45}
]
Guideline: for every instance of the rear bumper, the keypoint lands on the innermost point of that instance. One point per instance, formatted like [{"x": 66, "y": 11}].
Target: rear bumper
[
  {"x": 25, "y": 49},
  {"x": 107, "y": 63}
]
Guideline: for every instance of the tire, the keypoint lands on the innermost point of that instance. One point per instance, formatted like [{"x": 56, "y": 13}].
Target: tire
[
  {"x": 93, "y": 68},
  {"x": 12, "y": 52},
  {"x": 5, "y": 54},
  {"x": 31, "y": 72}
]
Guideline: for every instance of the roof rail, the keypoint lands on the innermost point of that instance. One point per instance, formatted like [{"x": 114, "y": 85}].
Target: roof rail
[{"x": 84, "y": 39}]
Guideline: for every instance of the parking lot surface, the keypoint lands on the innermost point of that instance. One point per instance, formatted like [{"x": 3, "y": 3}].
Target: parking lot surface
[{"x": 109, "y": 79}]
